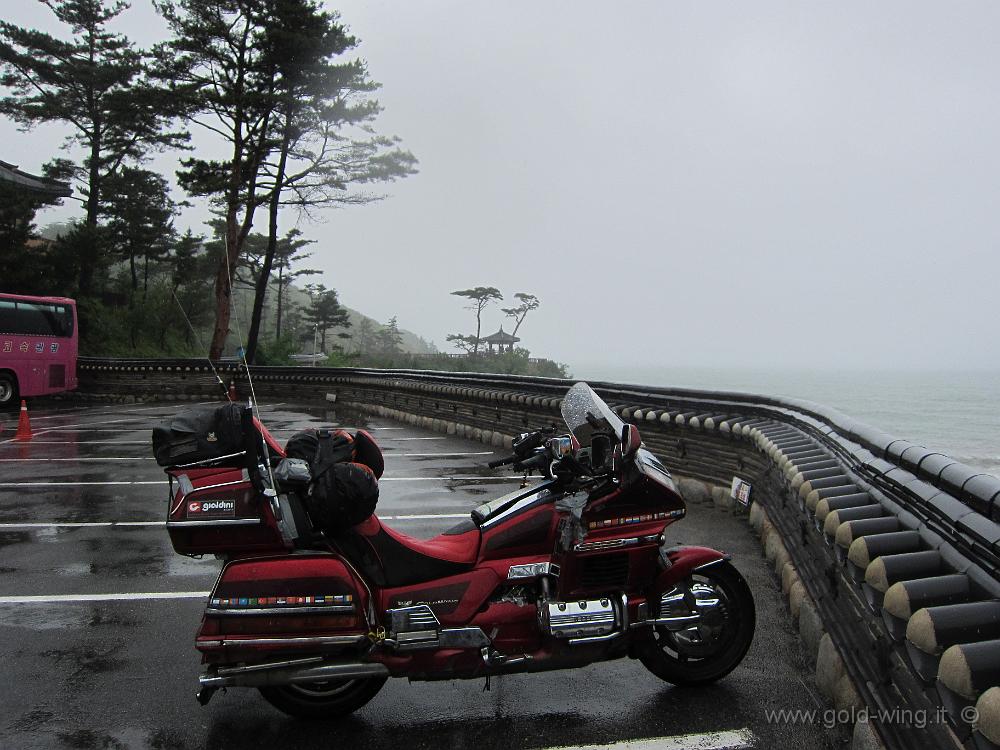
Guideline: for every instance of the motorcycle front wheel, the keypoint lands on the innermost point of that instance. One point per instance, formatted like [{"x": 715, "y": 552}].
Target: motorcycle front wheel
[
  {"x": 323, "y": 700},
  {"x": 712, "y": 617}
]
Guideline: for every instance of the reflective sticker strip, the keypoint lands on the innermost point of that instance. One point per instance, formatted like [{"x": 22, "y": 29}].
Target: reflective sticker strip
[
  {"x": 258, "y": 602},
  {"x": 629, "y": 520}
]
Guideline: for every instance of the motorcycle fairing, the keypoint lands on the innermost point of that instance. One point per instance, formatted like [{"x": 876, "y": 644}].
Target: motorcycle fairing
[
  {"x": 683, "y": 561},
  {"x": 454, "y": 600},
  {"x": 517, "y": 501},
  {"x": 530, "y": 530}
]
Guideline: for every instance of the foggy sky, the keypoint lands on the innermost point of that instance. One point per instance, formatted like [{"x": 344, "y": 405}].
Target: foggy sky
[{"x": 698, "y": 184}]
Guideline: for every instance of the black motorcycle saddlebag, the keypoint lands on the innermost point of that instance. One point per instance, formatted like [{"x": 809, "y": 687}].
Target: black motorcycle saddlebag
[
  {"x": 200, "y": 434},
  {"x": 341, "y": 493}
]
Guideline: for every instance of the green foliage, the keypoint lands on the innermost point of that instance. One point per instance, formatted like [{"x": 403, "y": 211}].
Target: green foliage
[
  {"x": 388, "y": 339},
  {"x": 140, "y": 217},
  {"x": 527, "y": 303},
  {"x": 468, "y": 344},
  {"x": 343, "y": 359},
  {"x": 512, "y": 363},
  {"x": 325, "y": 312},
  {"x": 277, "y": 351}
]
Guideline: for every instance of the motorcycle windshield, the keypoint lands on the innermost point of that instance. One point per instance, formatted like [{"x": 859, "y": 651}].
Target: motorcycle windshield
[{"x": 585, "y": 413}]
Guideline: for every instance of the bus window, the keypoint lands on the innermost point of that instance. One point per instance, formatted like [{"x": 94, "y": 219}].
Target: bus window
[
  {"x": 8, "y": 316},
  {"x": 35, "y": 319}
]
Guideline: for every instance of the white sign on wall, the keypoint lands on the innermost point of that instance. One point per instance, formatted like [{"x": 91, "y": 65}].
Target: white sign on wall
[{"x": 741, "y": 491}]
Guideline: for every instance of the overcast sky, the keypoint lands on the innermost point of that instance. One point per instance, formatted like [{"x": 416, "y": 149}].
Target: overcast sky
[{"x": 699, "y": 184}]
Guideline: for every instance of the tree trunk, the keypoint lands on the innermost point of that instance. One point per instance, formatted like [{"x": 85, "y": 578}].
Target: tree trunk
[
  {"x": 272, "y": 239},
  {"x": 135, "y": 275},
  {"x": 231, "y": 253},
  {"x": 479, "y": 327},
  {"x": 516, "y": 326},
  {"x": 281, "y": 294},
  {"x": 224, "y": 284},
  {"x": 88, "y": 258}
]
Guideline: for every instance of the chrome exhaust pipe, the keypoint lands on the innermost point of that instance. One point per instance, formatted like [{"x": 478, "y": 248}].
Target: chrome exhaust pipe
[{"x": 261, "y": 675}]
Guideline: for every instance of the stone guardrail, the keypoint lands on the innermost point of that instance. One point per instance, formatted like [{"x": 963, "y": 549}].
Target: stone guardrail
[{"x": 888, "y": 552}]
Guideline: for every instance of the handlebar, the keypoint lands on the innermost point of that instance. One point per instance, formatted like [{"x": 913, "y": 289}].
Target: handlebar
[
  {"x": 538, "y": 461},
  {"x": 524, "y": 447},
  {"x": 502, "y": 462}
]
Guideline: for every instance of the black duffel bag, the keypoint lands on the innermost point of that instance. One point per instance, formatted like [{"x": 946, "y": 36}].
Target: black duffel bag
[
  {"x": 341, "y": 493},
  {"x": 200, "y": 434}
]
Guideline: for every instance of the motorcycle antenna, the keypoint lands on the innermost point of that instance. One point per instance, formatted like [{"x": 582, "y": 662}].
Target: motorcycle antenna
[
  {"x": 201, "y": 344},
  {"x": 242, "y": 353}
]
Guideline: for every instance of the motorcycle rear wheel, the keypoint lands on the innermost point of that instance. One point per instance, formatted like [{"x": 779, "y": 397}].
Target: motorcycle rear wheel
[
  {"x": 323, "y": 700},
  {"x": 715, "y": 647}
]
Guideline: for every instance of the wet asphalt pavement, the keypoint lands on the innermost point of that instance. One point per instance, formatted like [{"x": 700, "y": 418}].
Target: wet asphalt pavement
[{"x": 123, "y": 674}]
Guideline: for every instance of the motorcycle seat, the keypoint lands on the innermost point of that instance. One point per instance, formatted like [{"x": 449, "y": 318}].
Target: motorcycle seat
[{"x": 404, "y": 560}]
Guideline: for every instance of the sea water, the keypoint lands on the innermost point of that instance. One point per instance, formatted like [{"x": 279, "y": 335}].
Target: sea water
[{"x": 956, "y": 413}]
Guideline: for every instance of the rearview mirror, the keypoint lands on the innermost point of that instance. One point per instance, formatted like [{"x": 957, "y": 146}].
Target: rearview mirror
[{"x": 631, "y": 440}]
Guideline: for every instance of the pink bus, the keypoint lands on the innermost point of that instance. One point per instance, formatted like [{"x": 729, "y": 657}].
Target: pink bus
[{"x": 38, "y": 346}]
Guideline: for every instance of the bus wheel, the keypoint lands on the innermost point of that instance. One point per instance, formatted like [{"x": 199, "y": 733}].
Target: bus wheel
[{"x": 8, "y": 389}]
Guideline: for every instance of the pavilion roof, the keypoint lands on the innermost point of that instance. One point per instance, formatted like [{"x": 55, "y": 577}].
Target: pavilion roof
[
  {"x": 9, "y": 173},
  {"x": 501, "y": 337}
]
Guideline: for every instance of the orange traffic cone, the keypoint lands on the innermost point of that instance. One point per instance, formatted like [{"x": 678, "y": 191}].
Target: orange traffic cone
[
  {"x": 23, "y": 424},
  {"x": 232, "y": 390}
]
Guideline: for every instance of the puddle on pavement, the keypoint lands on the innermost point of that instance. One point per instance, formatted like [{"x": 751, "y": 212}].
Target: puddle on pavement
[
  {"x": 84, "y": 661},
  {"x": 10, "y": 538},
  {"x": 45, "y": 617}
]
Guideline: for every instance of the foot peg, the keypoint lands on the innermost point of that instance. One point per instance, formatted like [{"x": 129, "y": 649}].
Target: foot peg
[{"x": 495, "y": 658}]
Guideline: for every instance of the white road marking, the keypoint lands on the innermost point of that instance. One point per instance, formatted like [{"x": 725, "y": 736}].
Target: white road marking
[
  {"x": 470, "y": 453},
  {"x": 96, "y": 413},
  {"x": 455, "y": 478},
  {"x": 79, "y": 484},
  {"x": 150, "y": 429},
  {"x": 737, "y": 739},
  {"x": 64, "y": 428},
  {"x": 52, "y": 430},
  {"x": 330, "y": 427},
  {"x": 415, "y": 438},
  {"x": 77, "y": 442},
  {"x": 113, "y": 524},
  {"x": 79, "y": 524},
  {"x": 163, "y": 481},
  {"x": 82, "y": 458},
  {"x": 151, "y": 458},
  {"x": 77, "y": 598}
]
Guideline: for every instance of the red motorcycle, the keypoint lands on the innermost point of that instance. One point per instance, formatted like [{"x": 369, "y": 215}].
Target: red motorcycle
[{"x": 569, "y": 571}]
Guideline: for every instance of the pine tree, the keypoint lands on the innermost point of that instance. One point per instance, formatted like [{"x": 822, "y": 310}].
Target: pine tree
[
  {"x": 95, "y": 82},
  {"x": 140, "y": 216},
  {"x": 322, "y": 140},
  {"x": 479, "y": 298},
  {"x": 388, "y": 339},
  {"x": 326, "y": 312},
  {"x": 218, "y": 69}
]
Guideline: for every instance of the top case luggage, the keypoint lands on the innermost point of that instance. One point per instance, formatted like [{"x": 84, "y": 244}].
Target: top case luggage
[{"x": 201, "y": 434}]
